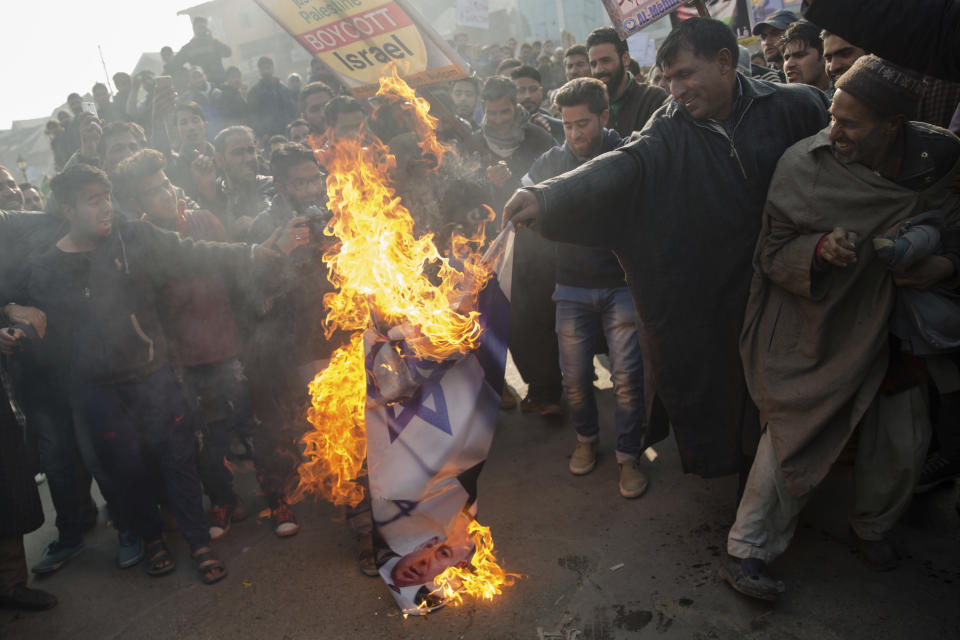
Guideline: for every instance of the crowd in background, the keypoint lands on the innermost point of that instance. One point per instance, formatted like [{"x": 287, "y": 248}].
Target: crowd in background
[{"x": 164, "y": 314}]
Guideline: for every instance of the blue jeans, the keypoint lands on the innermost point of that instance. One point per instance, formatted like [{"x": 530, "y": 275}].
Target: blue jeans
[{"x": 581, "y": 315}]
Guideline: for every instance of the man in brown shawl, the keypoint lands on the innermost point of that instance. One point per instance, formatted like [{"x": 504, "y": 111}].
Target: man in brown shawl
[{"x": 815, "y": 343}]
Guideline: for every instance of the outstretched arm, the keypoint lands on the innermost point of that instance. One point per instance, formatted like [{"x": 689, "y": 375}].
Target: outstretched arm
[{"x": 597, "y": 203}]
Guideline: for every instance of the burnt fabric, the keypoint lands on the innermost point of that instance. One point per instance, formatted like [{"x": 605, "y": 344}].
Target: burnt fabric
[
  {"x": 681, "y": 206},
  {"x": 815, "y": 342}
]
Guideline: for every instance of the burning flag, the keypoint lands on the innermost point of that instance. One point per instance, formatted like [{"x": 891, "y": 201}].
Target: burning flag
[{"x": 416, "y": 391}]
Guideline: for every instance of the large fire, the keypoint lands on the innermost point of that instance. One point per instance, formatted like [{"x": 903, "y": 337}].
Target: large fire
[{"x": 378, "y": 266}]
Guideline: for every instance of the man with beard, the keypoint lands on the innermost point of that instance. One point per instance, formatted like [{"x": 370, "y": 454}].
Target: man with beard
[
  {"x": 770, "y": 31},
  {"x": 241, "y": 194},
  {"x": 838, "y": 54},
  {"x": 802, "y": 51},
  {"x": 631, "y": 104},
  {"x": 466, "y": 96},
  {"x": 512, "y": 143},
  {"x": 815, "y": 344},
  {"x": 593, "y": 301},
  {"x": 313, "y": 99},
  {"x": 11, "y": 197},
  {"x": 681, "y": 206},
  {"x": 530, "y": 93}
]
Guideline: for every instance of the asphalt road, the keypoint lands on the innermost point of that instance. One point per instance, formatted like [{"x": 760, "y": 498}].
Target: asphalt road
[{"x": 594, "y": 566}]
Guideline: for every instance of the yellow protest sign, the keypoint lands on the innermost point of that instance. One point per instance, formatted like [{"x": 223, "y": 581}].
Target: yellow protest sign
[{"x": 359, "y": 39}]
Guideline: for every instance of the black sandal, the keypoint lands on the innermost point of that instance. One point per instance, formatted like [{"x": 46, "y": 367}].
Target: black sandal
[
  {"x": 206, "y": 562},
  {"x": 159, "y": 561}
]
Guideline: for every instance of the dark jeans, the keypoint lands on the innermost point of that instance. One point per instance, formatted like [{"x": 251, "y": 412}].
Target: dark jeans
[
  {"x": 148, "y": 418},
  {"x": 220, "y": 397},
  {"x": 533, "y": 342},
  {"x": 280, "y": 404},
  {"x": 67, "y": 458},
  {"x": 582, "y": 314}
]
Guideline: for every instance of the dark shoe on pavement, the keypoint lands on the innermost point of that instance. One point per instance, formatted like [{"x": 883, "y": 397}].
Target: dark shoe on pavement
[
  {"x": 584, "y": 458},
  {"x": 633, "y": 481},
  {"x": 284, "y": 522},
  {"x": 24, "y": 598},
  {"x": 57, "y": 555},
  {"x": 936, "y": 471},
  {"x": 529, "y": 405},
  {"x": 879, "y": 555},
  {"x": 508, "y": 401},
  {"x": 131, "y": 550},
  {"x": 750, "y": 577}
]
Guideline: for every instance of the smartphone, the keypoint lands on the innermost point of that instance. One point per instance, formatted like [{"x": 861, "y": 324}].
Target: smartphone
[
  {"x": 89, "y": 107},
  {"x": 163, "y": 83}
]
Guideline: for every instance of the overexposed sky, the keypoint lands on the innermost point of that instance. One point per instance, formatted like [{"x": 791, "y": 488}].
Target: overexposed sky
[{"x": 49, "y": 48}]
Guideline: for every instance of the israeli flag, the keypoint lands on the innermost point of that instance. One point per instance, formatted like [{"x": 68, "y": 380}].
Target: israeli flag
[{"x": 424, "y": 454}]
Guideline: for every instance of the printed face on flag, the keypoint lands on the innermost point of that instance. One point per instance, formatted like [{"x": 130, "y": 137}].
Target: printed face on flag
[{"x": 426, "y": 446}]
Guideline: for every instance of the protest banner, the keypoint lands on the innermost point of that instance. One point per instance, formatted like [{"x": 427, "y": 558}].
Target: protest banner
[
  {"x": 643, "y": 49},
  {"x": 361, "y": 39},
  {"x": 629, "y": 16},
  {"x": 473, "y": 13}
]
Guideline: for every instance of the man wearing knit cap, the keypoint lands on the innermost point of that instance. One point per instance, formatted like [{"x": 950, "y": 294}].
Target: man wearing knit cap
[{"x": 816, "y": 340}]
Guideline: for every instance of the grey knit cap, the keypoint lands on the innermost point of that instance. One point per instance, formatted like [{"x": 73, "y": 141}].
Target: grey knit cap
[{"x": 884, "y": 87}]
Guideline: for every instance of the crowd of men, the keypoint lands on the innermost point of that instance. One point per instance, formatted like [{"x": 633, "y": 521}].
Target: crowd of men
[{"x": 766, "y": 249}]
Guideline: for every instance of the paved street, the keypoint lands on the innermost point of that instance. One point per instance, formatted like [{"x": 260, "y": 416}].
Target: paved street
[{"x": 567, "y": 535}]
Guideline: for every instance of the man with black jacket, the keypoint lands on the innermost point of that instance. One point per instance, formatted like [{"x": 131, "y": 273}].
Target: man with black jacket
[
  {"x": 204, "y": 51},
  {"x": 631, "y": 103},
  {"x": 681, "y": 206},
  {"x": 592, "y": 296},
  {"x": 98, "y": 286}
]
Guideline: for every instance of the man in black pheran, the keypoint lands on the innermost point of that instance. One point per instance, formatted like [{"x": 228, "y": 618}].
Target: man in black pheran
[{"x": 681, "y": 207}]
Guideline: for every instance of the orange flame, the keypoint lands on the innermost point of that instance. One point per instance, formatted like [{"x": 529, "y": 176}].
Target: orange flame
[
  {"x": 336, "y": 447},
  {"x": 378, "y": 267},
  {"x": 484, "y": 578},
  {"x": 380, "y": 270}
]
